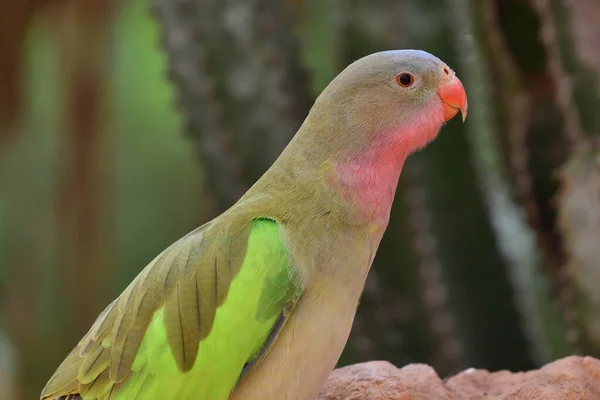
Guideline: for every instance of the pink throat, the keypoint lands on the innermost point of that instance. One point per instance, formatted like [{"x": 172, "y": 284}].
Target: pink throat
[{"x": 370, "y": 179}]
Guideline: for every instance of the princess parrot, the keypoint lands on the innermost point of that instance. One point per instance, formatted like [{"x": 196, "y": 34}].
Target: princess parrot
[{"x": 259, "y": 302}]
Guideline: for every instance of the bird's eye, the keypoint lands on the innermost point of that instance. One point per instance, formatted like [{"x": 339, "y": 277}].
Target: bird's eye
[{"x": 405, "y": 79}]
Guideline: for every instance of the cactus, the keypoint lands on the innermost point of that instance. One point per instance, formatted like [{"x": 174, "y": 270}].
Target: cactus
[
  {"x": 578, "y": 203},
  {"x": 240, "y": 84},
  {"x": 576, "y": 77},
  {"x": 515, "y": 239},
  {"x": 183, "y": 39}
]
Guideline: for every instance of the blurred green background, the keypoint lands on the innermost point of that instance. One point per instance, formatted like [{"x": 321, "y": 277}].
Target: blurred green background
[{"x": 126, "y": 124}]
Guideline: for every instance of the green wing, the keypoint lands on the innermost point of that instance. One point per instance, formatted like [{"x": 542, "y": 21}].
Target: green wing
[{"x": 202, "y": 313}]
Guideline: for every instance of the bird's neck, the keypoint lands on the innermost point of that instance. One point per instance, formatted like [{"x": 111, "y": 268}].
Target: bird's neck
[
  {"x": 356, "y": 176},
  {"x": 369, "y": 177},
  {"x": 369, "y": 180}
]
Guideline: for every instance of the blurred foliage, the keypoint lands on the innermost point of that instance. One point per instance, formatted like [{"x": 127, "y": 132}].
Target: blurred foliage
[{"x": 491, "y": 256}]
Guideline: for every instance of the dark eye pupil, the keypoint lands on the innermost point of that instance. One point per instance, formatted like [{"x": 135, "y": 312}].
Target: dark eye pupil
[{"x": 405, "y": 79}]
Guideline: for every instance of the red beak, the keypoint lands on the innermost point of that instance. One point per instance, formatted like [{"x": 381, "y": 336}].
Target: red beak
[{"x": 455, "y": 99}]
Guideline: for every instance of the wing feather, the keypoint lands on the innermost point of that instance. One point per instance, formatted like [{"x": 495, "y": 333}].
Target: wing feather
[
  {"x": 189, "y": 281},
  {"x": 98, "y": 331},
  {"x": 97, "y": 387},
  {"x": 94, "y": 364},
  {"x": 62, "y": 381}
]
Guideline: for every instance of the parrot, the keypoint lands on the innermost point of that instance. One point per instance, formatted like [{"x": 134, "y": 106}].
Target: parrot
[{"x": 258, "y": 303}]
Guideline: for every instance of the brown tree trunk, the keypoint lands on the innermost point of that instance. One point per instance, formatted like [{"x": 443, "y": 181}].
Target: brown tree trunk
[{"x": 85, "y": 205}]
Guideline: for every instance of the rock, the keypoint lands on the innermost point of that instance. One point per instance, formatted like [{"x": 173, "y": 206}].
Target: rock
[
  {"x": 381, "y": 380},
  {"x": 571, "y": 378},
  {"x": 565, "y": 379}
]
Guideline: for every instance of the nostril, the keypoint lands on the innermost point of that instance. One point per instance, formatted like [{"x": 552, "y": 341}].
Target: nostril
[{"x": 446, "y": 71}]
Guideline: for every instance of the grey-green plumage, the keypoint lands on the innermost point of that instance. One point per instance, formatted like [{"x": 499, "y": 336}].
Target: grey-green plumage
[{"x": 259, "y": 302}]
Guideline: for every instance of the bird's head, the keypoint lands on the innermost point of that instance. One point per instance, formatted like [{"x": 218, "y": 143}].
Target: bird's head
[
  {"x": 405, "y": 95},
  {"x": 375, "y": 113}
]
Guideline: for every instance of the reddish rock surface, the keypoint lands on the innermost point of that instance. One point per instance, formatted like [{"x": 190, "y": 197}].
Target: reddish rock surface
[{"x": 571, "y": 378}]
